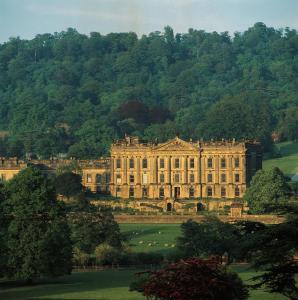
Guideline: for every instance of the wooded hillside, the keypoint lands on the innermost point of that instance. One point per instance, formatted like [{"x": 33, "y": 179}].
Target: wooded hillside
[{"x": 72, "y": 93}]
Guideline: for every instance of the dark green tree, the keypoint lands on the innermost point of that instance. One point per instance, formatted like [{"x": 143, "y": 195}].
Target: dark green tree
[
  {"x": 210, "y": 237},
  {"x": 92, "y": 225},
  {"x": 68, "y": 184},
  {"x": 4, "y": 221},
  {"x": 39, "y": 241}
]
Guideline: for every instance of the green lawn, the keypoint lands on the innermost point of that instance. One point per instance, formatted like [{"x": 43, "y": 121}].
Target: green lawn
[
  {"x": 151, "y": 237},
  {"x": 288, "y": 163},
  {"x": 108, "y": 284}
]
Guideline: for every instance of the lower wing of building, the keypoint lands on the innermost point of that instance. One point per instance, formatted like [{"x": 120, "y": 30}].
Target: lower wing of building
[{"x": 175, "y": 169}]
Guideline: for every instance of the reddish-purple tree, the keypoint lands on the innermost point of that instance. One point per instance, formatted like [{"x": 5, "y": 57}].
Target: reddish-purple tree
[{"x": 191, "y": 279}]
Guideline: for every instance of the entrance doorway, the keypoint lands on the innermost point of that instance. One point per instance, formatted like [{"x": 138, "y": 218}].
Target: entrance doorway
[
  {"x": 169, "y": 206},
  {"x": 200, "y": 207},
  {"x": 177, "y": 192}
]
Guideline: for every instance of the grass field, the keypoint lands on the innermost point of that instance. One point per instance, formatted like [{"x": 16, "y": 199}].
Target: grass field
[
  {"x": 288, "y": 163},
  {"x": 108, "y": 285},
  {"x": 151, "y": 237}
]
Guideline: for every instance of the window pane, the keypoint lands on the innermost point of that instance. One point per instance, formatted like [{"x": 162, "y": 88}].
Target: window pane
[
  {"x": 209, "y": 179},
  {"x": 192, "y": 163},
  {"x": 209, "y": 164},
  {"x": 162, "y": 178},
  {"x": 191, "y": 177},
  {"x": 162, "y": 163},
  {"x": 223, "y": 192},
  {"x": 131, "y": 163},
  {"x": 223, "y": 162},
  {"x": 176, "y": 163},
  {"x": 118, "y": 163},
  {"x": 223, "y": 177},
  {"x": 209, "y": 191},
  {"x": 131, "y": 178},
  {"x": 237, "y": 178},
  {"x": 237, "y": 162},
  {"x": 145, "y": 163},
  {"x": 161, "y": 193},
  {"x": 176, "y": 178},
  {"x": 145, "y": 178},
  {"x": 118, "y": 179}
]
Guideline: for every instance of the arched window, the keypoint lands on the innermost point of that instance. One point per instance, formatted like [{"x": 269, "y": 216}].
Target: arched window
[
  {"x": 209, "y": 191},
  {"x": 145, "y": 163},
  {"x": 237, "y": 191},
  {"x": 223, "y": 192}
]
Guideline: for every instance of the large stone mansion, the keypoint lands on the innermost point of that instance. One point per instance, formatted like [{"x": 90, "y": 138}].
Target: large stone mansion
[{"x": 165, "y": 172}]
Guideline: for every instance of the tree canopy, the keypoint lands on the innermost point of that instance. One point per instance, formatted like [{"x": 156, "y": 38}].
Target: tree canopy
[
  {"x": 73, "y": 93},
  {"x": 38, "y": 236},
  {"x": 267, "y": 188}
]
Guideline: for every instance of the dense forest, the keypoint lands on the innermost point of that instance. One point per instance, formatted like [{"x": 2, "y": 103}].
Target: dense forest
[{"x": 72, "y": 94}]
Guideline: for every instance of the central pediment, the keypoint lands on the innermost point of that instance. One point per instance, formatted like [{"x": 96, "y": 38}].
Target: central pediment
[{"x": 176, "y": 144}]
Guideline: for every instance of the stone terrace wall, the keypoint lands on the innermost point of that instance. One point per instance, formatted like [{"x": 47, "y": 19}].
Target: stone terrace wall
[{"x": 178, "y": 219}]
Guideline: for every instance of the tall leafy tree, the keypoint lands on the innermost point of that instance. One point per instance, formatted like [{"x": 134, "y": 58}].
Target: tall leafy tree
[
  {"x": 268, "y": 187},
  {"x": 39, "y": 241}
]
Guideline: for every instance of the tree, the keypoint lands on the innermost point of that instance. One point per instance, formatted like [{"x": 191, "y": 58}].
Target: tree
[
  {"x": 272, "y": 251},
  {"x": 210, "y": 237},
  {"x": 38, "y": 235},
  {"x": 267, "y": 187},
  {"x": 92, "y": 225},
  {"x": 68, "y": 184},
  {"x": 3, "y": 232},
  {"x": 192, "y": 278}
]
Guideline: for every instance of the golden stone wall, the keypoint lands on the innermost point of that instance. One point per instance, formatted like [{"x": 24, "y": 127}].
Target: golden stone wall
[{"x": 182, "y": 170}]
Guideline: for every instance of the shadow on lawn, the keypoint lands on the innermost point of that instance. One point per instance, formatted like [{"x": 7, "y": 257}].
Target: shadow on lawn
[{"x": 75, "y": 283}]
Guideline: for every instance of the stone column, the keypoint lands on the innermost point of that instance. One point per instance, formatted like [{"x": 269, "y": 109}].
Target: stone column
[
  {"x": 168, "y": 180},
  {"x": 185, "y": 173},
  {"x": 138, "y": 171},
  {"x": 124, "y": 168}
]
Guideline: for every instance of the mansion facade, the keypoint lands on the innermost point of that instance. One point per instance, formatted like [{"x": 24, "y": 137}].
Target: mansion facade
[
  {"x": 172, "y": 170},
  {"x": 178, "y": 169}
]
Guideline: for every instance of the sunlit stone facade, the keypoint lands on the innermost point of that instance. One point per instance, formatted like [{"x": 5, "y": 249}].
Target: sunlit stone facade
[{"x": 178, "y": 169}]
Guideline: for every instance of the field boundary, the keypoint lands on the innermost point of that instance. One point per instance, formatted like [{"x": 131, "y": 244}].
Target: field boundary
[{"x": 178, "y": 219}]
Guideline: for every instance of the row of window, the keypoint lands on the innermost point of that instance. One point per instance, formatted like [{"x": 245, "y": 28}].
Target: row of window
[
  {"x": 177, "y": 178},
  {"x": 223, "y": 192},
  {"x": 98, "y": 178},
  {"x": 177, "y": 163}
]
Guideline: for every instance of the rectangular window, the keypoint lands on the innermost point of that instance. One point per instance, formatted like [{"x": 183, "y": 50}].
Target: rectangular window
[
  {"x": 89, "y": 178},
  {"x": 131, "y": 178},
  {"x": 98, "y": 178},
  {"x": 237, "y": 162},
  {"x": 209, "y": 191},
  {"x": 191, "y": 192},
  {"x": 118, "y": 179},
  {"x": 118, "y": 163},
  {"x": 131, "y": 163},
  {"x": 162, "y": 163},
  {"x": 162, "y": 178},
  {"x": 191, "y": 163},
  {"x": 237, "y": 191},
  {"x": 191, "y": 177},
  {"x": 223, "y": 163},
  {"x": 118, "y": 189},
  {"x": 161, "y": 193},
  {"x": 131, "y": 192},
  {"x": 176, "y": 178},
  {"x": 145, "y": 193},
  {"x": 209, "y": 163},
  {"x": 145, "y": 163},
  {"x": 209, "y": 177},
  {"x": 177, "y": 163},
  {"x": 223, "y": 177},
  {"x": 145, "y": 178},
  {"x": 237, "y": 178},
  {"x": 223, "y": 192}
]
